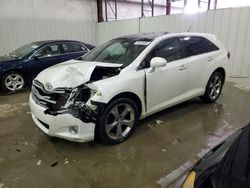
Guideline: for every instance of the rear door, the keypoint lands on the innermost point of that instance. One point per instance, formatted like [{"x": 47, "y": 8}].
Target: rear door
[
  {"x": 200, "y": 53},
  {"x": 166, "y": 85},
  {"x": 73, "y": 50}
]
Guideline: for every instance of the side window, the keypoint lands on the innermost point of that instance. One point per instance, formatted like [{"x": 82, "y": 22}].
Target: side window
[
  {"x": 210, "y": 46},
  {"x": 73, "y": 47},
  {"x": 47, "y": 51},
  {"x": 169, "y": 49},
  {"x": 197, "y": 45}
]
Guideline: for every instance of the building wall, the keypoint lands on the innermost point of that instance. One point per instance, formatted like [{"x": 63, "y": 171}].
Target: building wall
[
  {"x": 26, "y": 21},
  {"x": 231, "y": 26},
  {"x": 109, "y": 30}
]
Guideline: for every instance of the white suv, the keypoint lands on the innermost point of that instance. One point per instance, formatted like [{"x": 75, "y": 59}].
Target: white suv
[{"x": 124, "y": 80}]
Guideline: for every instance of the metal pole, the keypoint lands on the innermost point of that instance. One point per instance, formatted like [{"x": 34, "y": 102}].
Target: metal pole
[
  {"x": 99, "y": 10},
  {"x": 142, "y": 8},
  {"x": 199, "y": 3},
  {"x": 185, "y": 3},
  {"x": 115, "y": 9},
  {"x": 152, "y": 8},
  {"x": 168, "y": 7},
  {"x": 208, "y": 6},
  {"x": 106, "y": 11},
  {"x": 215, "y": 4}
]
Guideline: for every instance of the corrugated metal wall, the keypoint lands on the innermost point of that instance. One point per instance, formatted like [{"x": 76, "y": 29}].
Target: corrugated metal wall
[
  {"x": 26, "y": 21},
  {"x": 17, "y": 33},
  {"x": 231, "y": 26},
  {"x": 109, "y": 30}
]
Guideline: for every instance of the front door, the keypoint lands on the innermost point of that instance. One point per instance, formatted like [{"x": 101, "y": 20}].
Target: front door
[
  {"x": 44, "y": 58},
  {"x": 166, "y": 86}
]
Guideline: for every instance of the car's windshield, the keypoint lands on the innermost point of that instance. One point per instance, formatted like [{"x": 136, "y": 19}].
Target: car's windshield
[
  {"x": 121, "y": 51},
  {"x": 23, "y": 51}
]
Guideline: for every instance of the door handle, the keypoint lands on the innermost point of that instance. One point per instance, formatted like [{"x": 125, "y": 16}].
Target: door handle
[
  {"x": 210, "y": 59},
  {"x": 183, "y": 67}
]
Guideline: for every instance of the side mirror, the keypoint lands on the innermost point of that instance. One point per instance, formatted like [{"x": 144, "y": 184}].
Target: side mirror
[{"x": 158, "y": 62}]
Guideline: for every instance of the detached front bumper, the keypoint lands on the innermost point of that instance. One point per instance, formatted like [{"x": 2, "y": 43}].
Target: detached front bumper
[{"x": 59, "y": 125}]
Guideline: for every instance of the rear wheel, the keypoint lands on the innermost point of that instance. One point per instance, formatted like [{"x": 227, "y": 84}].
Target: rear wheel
[
  {"x": 118, "y": 121},
  {"x": 213, "y": 88},
  {"x": 13, "y": 81}
]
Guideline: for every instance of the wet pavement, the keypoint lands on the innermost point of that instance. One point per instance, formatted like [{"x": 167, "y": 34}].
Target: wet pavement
[{"x": 29, "y": 158}]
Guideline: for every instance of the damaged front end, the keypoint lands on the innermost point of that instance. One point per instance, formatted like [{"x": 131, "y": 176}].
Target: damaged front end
[
  {"x": 76, "y": 102},
  {"x": 74, "y": 95}
]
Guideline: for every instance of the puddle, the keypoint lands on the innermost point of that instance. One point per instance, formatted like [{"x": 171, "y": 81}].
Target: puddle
[
  {"x": 242, "y": 87},
  {"x": 216, "y": 109}
]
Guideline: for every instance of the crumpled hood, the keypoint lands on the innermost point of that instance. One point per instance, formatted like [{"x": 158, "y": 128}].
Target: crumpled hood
[{"x": 70, "y": 74}]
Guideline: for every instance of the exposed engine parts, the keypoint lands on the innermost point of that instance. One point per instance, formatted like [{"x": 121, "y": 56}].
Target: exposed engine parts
[{"x": 76, "y": 101}]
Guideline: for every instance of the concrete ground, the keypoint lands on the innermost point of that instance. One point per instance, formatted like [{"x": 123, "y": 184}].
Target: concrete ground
[{"x": 29, "y": 158}]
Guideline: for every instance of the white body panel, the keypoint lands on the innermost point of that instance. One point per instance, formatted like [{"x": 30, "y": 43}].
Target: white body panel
[
  {"x": 166, "y": 85},
  {"x": 132, "y": 81},
  {"x": 161, "y": 88}
]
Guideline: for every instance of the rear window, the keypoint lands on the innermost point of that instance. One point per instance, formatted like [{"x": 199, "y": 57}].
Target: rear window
[{"x": 197, "y": 45}]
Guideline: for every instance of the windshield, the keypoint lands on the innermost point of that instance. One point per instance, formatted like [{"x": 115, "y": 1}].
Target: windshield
[
  {"x": 23, "y": 51},
  {"x": 121, "y": 51}
]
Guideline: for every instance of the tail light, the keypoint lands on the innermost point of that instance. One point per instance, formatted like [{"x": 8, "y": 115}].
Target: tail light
[{"x": 228, "y": 55}]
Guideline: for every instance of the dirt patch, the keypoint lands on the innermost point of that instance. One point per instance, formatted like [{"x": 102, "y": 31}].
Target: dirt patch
[{"x": 8, "y": 110}]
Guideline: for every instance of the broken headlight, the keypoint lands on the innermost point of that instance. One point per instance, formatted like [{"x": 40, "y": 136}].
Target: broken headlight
[
  {"x": 80, "y": 94},
  {"x": 74, "y": 93}
]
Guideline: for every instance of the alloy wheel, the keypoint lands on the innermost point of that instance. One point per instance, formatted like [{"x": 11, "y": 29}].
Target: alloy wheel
[
  {"x": 120, "y": 121},
  {"x": 215, "y": 87},
  {"x": 14, "y": 82}
]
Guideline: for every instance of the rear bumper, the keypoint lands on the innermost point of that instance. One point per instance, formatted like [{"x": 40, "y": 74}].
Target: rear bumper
[{"x": 58, "y": 126}]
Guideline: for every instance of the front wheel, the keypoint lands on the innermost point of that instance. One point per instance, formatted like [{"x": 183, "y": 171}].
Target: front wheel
[
  {"x": 213, "y": 88},
  {"x": 13, "y": 81},
  {"x": 117, "y": 121}
]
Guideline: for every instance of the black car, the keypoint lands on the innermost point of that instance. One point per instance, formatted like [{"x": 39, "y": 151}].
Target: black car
[
  {"x": 20, "y": 67},
  {"x": 226, "y": 166}
]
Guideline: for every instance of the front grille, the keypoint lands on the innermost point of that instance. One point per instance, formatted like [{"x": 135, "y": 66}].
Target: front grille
[{"x": 53, "y": 100}]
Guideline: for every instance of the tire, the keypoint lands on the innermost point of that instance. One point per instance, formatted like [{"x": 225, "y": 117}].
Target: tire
[
  {"x": 213, "y": 88},
  {"x": 118, "y": 121},
  {"x": 13, "y": 81}
]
